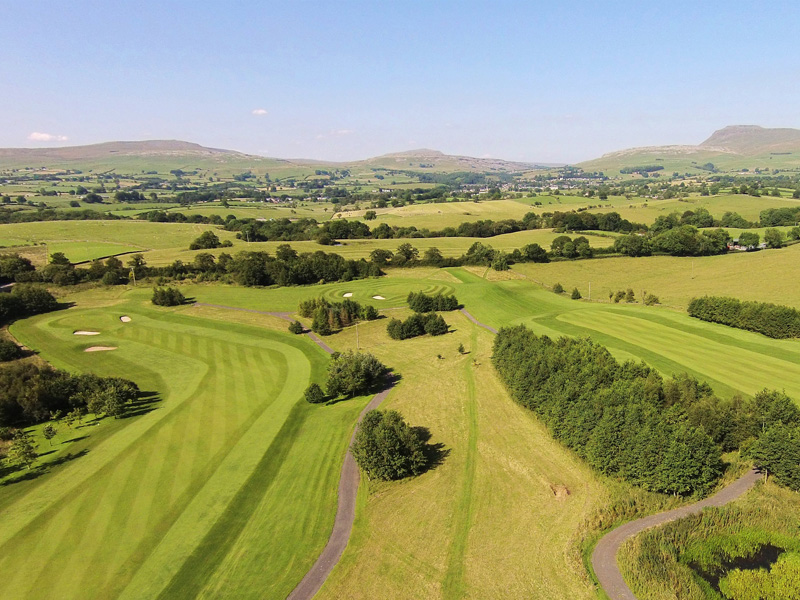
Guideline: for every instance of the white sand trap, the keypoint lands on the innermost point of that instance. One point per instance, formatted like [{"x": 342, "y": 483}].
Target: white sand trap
[
  {"x": 378, "y": 298},
  {"x": 100, "y": 348},
  {"x": 125, "y": 319},
  {"x": 347, "y": 295},
  {"x": 85, "y": 333}
]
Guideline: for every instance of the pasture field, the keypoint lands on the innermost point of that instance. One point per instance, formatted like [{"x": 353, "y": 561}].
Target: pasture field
[
  {"x": 228, "y": 483},
  {"x": 766, "y": 276},
  {"x": 78, "y": 252}
]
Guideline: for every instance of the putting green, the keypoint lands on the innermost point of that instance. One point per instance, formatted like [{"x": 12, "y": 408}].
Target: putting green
[{"x": 228, "y": 484}]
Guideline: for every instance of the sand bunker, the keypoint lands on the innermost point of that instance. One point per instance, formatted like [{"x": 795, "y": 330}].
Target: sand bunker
[
  {"x": 100, "y": 348},
  {"x": 348, "y": 295},
  {"x": 125, "y": 319},
  {"x": 378, "y": 298},
  {"x": 85, "y": 333}
]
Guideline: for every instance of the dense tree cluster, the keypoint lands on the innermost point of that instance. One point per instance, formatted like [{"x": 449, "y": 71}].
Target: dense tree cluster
[
  {"x": 387, "y": 448},
  {"x": 9, "y": 351},
  {"x": 683, "y": 240},
  {"x": 30, "y": 394},
  {"x": 329, "y": 317},
  {"x": 777, "y": 452},
  {"x": 416, "y": 325},
  {"x": 24, "y": 301},
  {"x": 772, "y": 320},
  {"x": 167, "y": 296},
  {"x": 422, "y": 303},
  {"x": 208, "y": 240},
  {"x": 12, "y": 265},
  {"x": 47, "y": 214},
  {"x": 353, "y": 373},
  {"x": 777, "y": 217},
  {"x": 624, "y": 419}
]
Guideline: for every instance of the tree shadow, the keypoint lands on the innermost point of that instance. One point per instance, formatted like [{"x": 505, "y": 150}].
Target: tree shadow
[
  {"x": 389, "y": 380},
  {"x": 145, "y": 402},
  {"x": 39, "y": 470},
  {"x": 435, "y": 454}
]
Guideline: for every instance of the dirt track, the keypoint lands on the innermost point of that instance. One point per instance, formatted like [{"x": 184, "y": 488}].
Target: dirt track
[{"x": 604, "y": 557}]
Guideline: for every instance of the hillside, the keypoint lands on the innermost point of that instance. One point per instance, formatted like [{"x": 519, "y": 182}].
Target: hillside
[
  {"x": 433, "y": 159},
  {"x": 731, "y": 148}
]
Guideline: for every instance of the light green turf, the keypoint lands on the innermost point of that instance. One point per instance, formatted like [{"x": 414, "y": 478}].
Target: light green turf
[
  {"x": 78, "y": 252},
  {"x": 230, "y": 460}
]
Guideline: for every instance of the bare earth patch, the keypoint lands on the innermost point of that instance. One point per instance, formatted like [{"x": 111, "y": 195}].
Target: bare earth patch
[
  {"x": 100, "y": 348},
  {"x": 85, "y": 333},
  {"x": 125, "y": 319}
]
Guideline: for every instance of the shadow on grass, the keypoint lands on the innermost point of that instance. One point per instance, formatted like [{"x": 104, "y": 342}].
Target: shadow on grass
[
  {"x": 389, "y": 380},
  {"x": 38, "y": 471},
  {"x": 435, "y": 454},
  {"x": 145, "y": 403}
]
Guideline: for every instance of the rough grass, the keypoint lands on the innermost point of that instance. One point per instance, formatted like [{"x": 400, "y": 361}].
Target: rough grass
[{"x": 763, "y": 276}]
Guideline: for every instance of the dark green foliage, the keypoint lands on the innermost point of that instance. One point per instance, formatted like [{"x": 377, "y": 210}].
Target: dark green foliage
[
  {"x": 771, "y": 320},
  {"x": 651, "y": 299},
  {"x": 9, "y": 351},
  {"x": 168, "y": 296},
  {"x": 774, "y": 238},
  {"x": 314, "y": 394},
  {"x": 386, "y": 448},
  {"x": 416, "y": 325},
  {"x": 576, "y": 294},
  {"x": 24, "y": 301},
  {"x": 30, "y": 394},
  {"x": 332, "y": 316},
  {"x": 622, "y": 418},
  {"x": 777, "y": 452},
  {"x": 633, "y": 245},
  {"x": 777, "y": 217},
  {"x": 12, "y": 265},
  {"x": 296, "y": 327},
  {"x": 558, "y": 288},
  {"x": 423, "y": 303},
  {"x": 686, "y": 240},
  {"x": 350, "y": 374},
  {"x": 205, "y": 241}
]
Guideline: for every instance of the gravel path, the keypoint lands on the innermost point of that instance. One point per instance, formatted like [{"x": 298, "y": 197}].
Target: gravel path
[
  {"x": 604, "y": 557},
  {"x": 478, "y": 323}
]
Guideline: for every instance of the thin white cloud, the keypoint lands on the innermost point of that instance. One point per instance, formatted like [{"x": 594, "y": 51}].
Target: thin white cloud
[
  {"x": 335, "y": 133},
  {"x": 38, "y": 136},
  {"x": 260, "y": 112}
]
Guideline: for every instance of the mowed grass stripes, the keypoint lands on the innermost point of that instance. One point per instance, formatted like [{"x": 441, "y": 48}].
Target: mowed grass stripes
[{"x": 230, "y": 465}]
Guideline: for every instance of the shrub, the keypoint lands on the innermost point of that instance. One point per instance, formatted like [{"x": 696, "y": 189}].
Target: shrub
[
  {"x": 386, "y": 448},
  {"x": 416, "y": 325},
  {"x": 576, "y": 295},
  {"x": 205, "y": 241},
  {"x": 9, "y": 351},
  {"x": 350, "y": 374},
  {"x": 314, "y": 394},
  {"x": 651, "y": 299},
  {"x": 558, "y": 288},
  {"x": 168, "y": 297},
  {"x": 296, "y": 327}
]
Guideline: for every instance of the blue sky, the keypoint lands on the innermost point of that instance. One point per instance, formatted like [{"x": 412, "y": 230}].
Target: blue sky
[{"x": 556, "y": 81}]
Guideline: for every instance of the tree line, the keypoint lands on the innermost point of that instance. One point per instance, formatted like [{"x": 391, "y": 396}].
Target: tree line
[
  {"x": 416, "y": 325},
  {"x": 772, "y": 320},
  {"x": 422, "y": 303},
  {"x": 624, "y": 419}
]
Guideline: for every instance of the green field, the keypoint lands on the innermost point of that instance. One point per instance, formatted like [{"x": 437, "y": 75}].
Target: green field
[{"x": 191, "y": 498}]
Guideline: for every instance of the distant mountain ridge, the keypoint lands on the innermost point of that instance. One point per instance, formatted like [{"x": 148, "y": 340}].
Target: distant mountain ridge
[
  {"x": 732, "y": 147},
  {"x": 106, "y": 149}
]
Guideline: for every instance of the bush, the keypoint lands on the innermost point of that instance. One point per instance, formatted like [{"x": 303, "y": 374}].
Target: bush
[
  {"x": 350, "y": 374},
  {"x": 423, "y": 303},
  {"x": 558, "y": 288},
  {"x": 314, "y": 394},
  {"x": 206, "y": 241},
  {"x": 651, "y": 299},
  {"x": 168, "y": 297},
  {"x": 416, "y": 325},
  {"x": 386, "y": 448},
  {"x": 9, "y": 351},
  {"x": 296, "y": 327},
  {"x": 576, "y": 295}
]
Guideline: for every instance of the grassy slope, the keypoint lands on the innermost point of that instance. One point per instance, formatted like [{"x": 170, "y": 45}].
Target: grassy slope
[
  {"x": 210, "y": 467},
  {"x": 763, "y": 276}
]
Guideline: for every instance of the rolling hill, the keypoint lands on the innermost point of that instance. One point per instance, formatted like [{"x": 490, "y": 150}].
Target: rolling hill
[{"x": 731, "y": 148}]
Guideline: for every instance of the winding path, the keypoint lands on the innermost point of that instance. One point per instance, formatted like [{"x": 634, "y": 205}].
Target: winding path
[
  {"x": 348, "y": 485},
  {"x": 604, "y": 557}
]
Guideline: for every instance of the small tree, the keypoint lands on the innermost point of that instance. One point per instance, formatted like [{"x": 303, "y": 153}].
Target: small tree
[
  {"x": 370, "y": 215},
  {"x": 49, "y": 432},
  {"x": 558, "y": 288},
  {"x": 629, "y": 297},
  {"x": 774, "y": 238},
  {"x": 386, "y": 448},
  {"x": 370, "y": 313},
  {"x": 321, "y": 324},
  {"x": 576, "y": 295},
  {"x": 350, "y": 374},
  {"x": 651, "y": 299},
  {"x": 314, "y": 394},
  {"x": 296, "y": 327},
  {"x": 22, "y": 450},
  {"x": 461, "y": 349}
]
